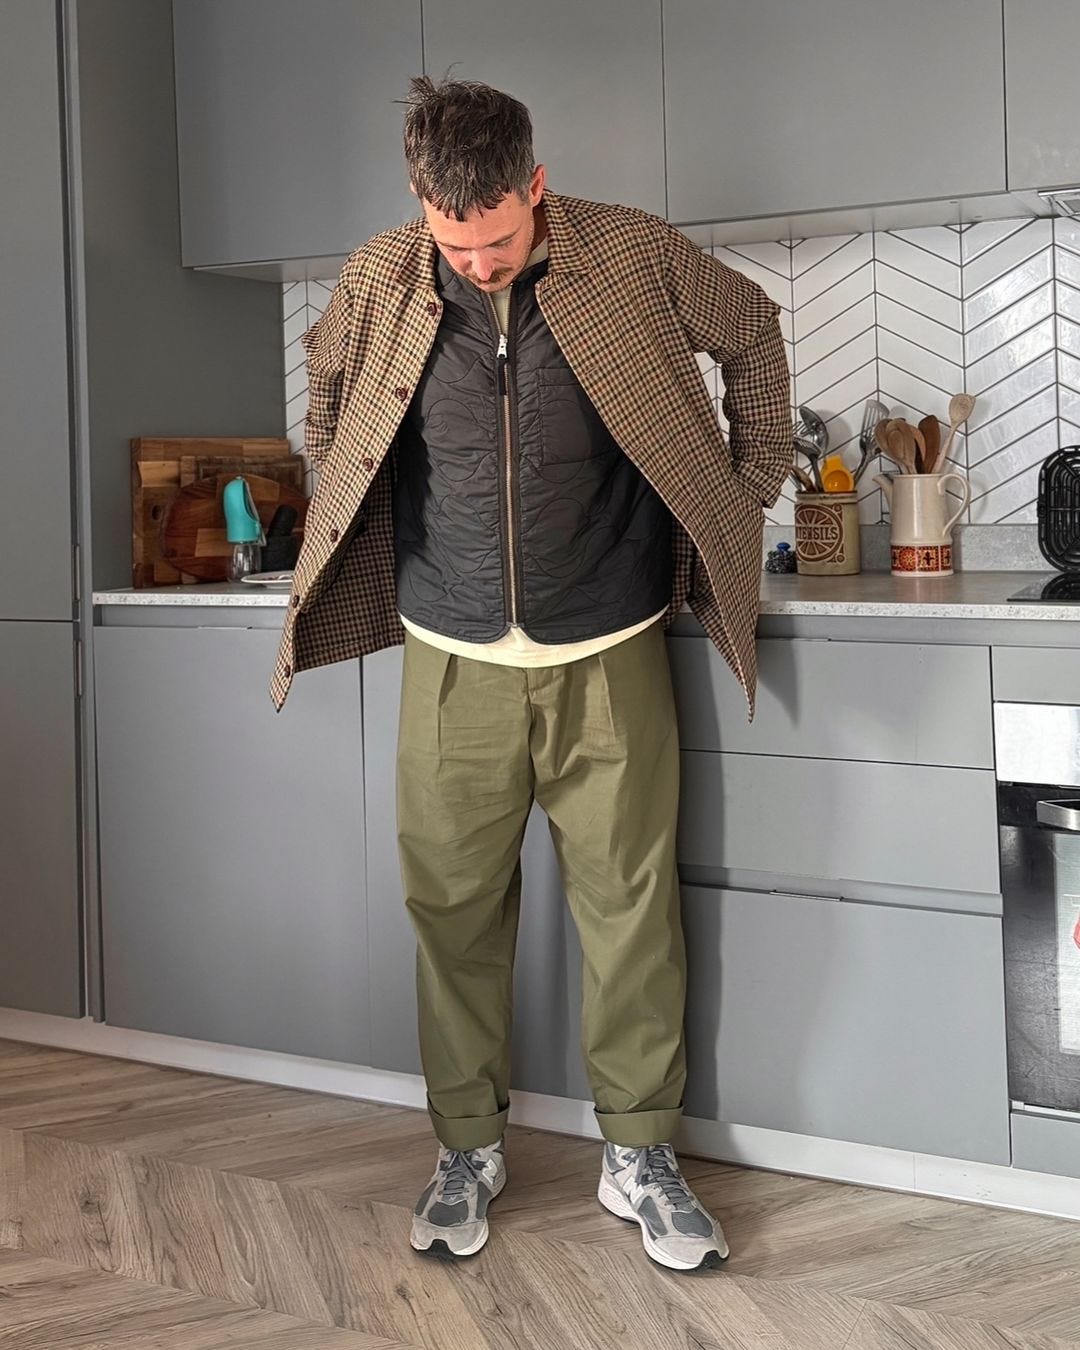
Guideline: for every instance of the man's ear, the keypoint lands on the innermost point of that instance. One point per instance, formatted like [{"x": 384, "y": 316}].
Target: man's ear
[{"x": 412, "y": 187}]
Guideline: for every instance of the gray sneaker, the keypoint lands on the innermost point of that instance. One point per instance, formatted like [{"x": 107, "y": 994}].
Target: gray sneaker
[
  {"x": 645, "y": 1186},
  {"x": 450, "y": 1218}
]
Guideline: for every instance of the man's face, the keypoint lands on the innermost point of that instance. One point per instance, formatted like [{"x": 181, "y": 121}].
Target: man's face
[{"x": 489, "y": 248}]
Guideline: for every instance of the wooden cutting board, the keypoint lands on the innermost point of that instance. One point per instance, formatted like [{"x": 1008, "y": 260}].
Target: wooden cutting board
[
  {"x": 283, "y": 468},
  {"x": 193, "y": 539},
  {"x": 160, "y": 466}
]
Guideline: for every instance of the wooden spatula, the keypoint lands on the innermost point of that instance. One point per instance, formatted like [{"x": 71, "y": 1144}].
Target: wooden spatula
[{"x": 931, "y": 434}]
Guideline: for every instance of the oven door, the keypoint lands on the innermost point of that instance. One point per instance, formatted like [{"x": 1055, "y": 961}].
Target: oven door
[{"x": 1040, "y": 878}]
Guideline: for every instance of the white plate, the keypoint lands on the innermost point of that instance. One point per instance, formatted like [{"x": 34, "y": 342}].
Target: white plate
[{"x": 268, "y": 579}]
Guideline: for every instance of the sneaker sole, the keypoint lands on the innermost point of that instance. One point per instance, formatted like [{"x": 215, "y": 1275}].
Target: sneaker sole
[
  {"x": 436, "y": 1241},
  {"x": 616, "y": 1203}
]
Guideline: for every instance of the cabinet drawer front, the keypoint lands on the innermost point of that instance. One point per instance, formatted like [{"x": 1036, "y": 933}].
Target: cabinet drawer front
[
  {"x": 1045, "y": 1144},
  {"x": 1036, "y": 674},
  {"x": 896, "y": 824},
  {"x": 885, "y": 701},
  {"x": 877, "y": 1024}
]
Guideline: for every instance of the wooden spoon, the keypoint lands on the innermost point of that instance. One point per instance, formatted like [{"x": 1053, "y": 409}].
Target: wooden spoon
[
  {"x": 961, "y": 406},
  {"x": 881, "y": 436},
  {"x": 920, "y": 446},
  {"x": 911, "y": 439},
  {"x": 931, "y": 432},
  {"x": 901, "y": 449}
]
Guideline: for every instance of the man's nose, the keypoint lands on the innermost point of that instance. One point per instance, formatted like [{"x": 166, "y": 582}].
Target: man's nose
[{"x": 482, "y": 267}]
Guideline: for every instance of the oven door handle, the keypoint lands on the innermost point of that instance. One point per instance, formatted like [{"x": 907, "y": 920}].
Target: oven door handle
[{"x": 1060, "y": 815}]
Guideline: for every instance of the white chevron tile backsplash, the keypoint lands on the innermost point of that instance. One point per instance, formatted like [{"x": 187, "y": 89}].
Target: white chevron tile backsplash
[
  {"x": 907, "y": 316},
  {"x": 1067, "y": 305}
]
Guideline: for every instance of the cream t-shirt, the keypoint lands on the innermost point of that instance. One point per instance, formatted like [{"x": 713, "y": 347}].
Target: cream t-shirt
[{"x": 515, "y": 647}]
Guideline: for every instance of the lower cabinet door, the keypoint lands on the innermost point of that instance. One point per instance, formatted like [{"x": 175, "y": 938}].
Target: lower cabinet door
[
  {"x": 232, "y": 843},
  {"x": 40, "y": 943},
  {"x": 871, "y": 1023}
]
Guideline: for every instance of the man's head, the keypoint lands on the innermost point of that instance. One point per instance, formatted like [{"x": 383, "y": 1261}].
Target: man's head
[{"x": 470, "y": 158}]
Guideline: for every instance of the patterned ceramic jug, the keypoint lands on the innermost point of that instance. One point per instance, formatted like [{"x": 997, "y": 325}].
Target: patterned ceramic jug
[{"x": 920, "y": 534}]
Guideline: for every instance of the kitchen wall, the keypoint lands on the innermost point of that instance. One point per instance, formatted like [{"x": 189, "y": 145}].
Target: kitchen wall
[{"x": 911, "y": 317}]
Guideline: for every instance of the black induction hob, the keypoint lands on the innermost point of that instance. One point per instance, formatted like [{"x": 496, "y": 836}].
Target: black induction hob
[{"x": 1062, "y": 588}]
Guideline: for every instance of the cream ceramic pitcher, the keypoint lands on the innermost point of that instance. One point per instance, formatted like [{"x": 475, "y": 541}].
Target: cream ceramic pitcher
[{"x": 920, "y": 535}]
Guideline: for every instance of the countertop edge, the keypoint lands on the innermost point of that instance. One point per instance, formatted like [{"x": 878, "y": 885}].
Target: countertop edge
[{"x": 872, "y": 595}]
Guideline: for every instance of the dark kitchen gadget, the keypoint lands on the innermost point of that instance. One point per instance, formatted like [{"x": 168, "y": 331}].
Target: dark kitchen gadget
[
  {"x": 282, "y": 548},
  {"x": 1059, "y": 509}
]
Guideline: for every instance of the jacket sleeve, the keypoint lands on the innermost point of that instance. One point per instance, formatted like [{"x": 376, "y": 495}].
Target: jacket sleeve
[
  {"x": 729, "y": 316},
  {"x": 325, "y": 344}
]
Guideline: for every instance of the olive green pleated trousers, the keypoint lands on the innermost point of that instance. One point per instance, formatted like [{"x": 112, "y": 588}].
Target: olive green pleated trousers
[{"x": 595, "y": 741}]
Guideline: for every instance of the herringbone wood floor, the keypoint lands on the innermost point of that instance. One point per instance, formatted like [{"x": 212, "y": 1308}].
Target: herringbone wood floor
[{"x": 145, "y": 1207}]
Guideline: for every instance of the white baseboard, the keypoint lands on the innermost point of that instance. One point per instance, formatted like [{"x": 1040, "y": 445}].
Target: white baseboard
[{"x": 747, "y": 1145}]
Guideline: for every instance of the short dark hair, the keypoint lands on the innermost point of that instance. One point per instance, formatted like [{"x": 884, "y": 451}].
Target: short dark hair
[{"x": 467, "y": 145}]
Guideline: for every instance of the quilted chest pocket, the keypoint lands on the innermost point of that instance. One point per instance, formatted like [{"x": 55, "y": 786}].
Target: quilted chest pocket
[{"x": 571, "y": 430}]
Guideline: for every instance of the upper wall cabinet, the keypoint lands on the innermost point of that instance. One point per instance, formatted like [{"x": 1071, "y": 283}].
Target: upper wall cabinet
[
  {"x": 774, "y": 107},
  {"x": 590, "y": 75},
  {"x": 1041, "y": 42},
  {"x": 289, "y": 134}
]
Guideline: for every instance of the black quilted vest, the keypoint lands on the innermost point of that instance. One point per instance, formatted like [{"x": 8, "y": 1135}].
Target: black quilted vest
[{"x": 562, "y": 534}]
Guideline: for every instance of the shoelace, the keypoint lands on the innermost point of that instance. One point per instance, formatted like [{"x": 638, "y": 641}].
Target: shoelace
[
  {"x": 458, "y": 1171},
  {"x": 659, "y": 1167}
]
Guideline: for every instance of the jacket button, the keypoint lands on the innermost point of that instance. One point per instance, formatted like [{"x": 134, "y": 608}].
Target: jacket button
[
  {"x": 295, "y": 600},
  {"x": 334, "y": 536},
  {"x": 433, "y": 308},
  {"x": 402, "y": 393},
  {"x": 367, "y": 464},
  {"x": 287, "y": 672}
]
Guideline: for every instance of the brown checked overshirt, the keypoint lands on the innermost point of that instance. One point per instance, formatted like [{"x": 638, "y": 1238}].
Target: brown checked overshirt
[{"x": 630, "y": 301}]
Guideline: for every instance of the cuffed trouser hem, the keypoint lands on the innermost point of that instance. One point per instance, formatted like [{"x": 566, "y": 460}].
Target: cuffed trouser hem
[
  {"x": 468, "y": 1131},
  {"x": 632, "y": 1129}
]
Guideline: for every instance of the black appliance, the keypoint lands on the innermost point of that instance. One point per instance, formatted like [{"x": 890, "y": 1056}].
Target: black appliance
[
  {"x": 1059, "y": 531},
  {"x": 1038, "y": 771}
]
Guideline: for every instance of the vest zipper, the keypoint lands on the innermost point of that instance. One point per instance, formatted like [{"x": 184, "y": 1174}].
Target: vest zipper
[{"x": 502, "y": 361}]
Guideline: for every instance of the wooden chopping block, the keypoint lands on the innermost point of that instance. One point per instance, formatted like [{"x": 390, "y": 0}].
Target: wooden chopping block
[{"x": 156, "y": 479}]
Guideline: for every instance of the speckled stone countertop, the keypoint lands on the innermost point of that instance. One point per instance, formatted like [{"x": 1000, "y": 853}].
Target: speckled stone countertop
[
  {"x": 236, "y": 593},
  {"x": 967, "y": 595}
]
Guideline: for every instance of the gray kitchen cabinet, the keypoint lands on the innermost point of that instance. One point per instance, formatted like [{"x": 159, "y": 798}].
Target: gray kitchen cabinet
[
  {"x": 896, "y": 825},
  {"x": 902, "y": 702},
  {"x": 40, "y": 951},
  {"x": 590, "y": 75},
  {"x": 867, "y": 1023},
  {"x": 1046, "y": 1143},
  {"x": 1041, "y": 41},
  {"x": 231, "y": 843},
  {"x": 774, "y": 107},
  {"x": 545, "y": 1051},
  {"x": 288, "y": 132},
  {"x": 35, "y": 543},
  {"x": 1036, "y": 675}
]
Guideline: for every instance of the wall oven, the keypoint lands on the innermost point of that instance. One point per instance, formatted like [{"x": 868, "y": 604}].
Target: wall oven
[{"x": 1038, "y": 772}]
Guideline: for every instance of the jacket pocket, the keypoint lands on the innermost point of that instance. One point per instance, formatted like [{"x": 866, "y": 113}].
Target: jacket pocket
[{"x": 571, "y": 430}]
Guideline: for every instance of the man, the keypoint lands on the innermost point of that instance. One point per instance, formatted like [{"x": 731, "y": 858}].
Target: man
[{"x": 522, "y": 479}]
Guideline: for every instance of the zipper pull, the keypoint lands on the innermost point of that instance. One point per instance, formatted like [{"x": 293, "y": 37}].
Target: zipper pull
[{"x": 501, "y": 358}]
